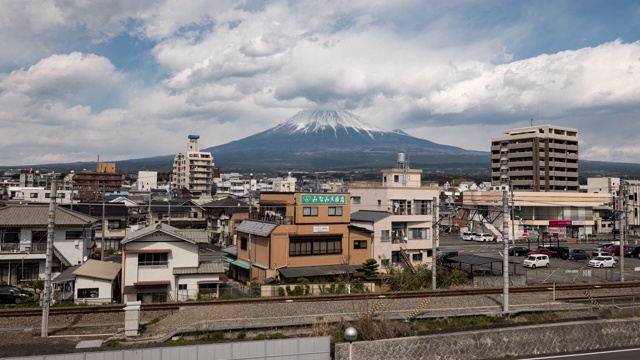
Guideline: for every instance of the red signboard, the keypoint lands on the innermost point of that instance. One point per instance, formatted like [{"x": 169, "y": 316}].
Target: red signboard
[{"x": 559, "y": 222}]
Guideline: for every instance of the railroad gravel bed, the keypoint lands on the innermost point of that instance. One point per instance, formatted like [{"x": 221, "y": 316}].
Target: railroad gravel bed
[{"x": 20, "y": 336}]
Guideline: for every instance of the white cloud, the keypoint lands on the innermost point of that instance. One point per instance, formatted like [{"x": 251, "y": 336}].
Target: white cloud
[{"x": 226, "y": 69}]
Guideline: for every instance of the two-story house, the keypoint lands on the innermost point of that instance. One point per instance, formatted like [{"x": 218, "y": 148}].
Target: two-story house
[
  {"x": 162, "y": 263},
  {"x": 225, "y": 215},
  {"x": 23, "y": 240},
  {"x": 407, "y": 235},
  {"x": 296, "y": 235}
]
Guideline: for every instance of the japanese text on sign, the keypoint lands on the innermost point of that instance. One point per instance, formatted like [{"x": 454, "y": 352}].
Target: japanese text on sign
[{"x": 324, "y": 199}]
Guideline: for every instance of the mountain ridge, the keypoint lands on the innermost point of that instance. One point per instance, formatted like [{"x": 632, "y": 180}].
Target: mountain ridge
[{"x": 335, "y": 140}]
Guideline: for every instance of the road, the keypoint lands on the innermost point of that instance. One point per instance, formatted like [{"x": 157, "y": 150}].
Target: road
[{"x": 616, "y": 354}]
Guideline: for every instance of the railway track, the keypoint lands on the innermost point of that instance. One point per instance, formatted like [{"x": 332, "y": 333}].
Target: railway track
[{"x": 174, "y": 306}]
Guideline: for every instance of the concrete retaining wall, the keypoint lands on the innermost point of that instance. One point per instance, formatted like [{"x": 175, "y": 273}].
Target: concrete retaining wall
[{"x": 498, "y": 343}]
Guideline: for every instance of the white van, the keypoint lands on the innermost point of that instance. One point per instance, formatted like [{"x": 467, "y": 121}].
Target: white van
[
  {"x": 467, "y": 236},
  {"x": 536, "y": 260}
]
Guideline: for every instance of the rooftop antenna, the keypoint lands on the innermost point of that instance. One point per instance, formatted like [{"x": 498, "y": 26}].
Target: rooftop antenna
[{"x": 531, "y": 121}]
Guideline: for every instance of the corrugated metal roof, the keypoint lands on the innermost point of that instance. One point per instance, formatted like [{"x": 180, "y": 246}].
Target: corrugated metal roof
[
  {"x": 38, "y": 215},
  {"x": 99, "y": 269},
  {"x": 204, "y": 268},
  {"x": 369, "y": 216},
  {"x": 259, "y": 228}
]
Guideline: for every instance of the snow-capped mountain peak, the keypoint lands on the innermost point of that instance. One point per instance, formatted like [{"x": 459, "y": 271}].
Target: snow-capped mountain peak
[{"x": 314, "y": 121}]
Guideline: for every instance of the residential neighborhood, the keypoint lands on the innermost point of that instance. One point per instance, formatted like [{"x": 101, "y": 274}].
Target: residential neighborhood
[{"x": 205, "y": 232}]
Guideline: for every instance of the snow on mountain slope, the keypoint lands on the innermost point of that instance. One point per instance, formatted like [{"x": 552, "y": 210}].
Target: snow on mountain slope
[{"x": 315, "y": 121}]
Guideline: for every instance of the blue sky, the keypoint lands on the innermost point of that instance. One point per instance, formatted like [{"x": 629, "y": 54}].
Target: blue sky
[{"x": 130, "y": 79}]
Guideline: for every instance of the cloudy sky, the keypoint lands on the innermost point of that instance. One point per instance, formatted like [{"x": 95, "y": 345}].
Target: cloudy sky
[{"x": 129, "y": 79}]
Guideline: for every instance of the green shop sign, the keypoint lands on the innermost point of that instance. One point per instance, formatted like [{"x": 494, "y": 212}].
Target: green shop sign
[{"x": 323, "y": 199}]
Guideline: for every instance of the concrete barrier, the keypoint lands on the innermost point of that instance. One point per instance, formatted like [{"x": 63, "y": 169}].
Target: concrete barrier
[{"x": 501, "y": 342}]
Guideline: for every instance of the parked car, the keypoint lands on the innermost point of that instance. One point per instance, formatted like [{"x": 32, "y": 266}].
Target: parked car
[
  {"x": 540, "y": 250},
  {"x": 603, "y": 261},
  {"x": 13, "y": 295},
  {"x": 536, "y": 260},
  {"x": 572, "y": 254},
  {"x": 468, "y": 236},
  {"x": 556, "y": 250},
  {"x": 602, "y": 246},
  {"x": 443, "y": 255},
  {"x": 615, "y": 250},
  {"x": 483, "y": 237},
  {"x": 632, "y": 251},
  {"x": 518, "y": 251}
]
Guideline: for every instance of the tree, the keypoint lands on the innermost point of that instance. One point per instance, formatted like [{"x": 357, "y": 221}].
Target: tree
[{"x": 370, "y": 267}]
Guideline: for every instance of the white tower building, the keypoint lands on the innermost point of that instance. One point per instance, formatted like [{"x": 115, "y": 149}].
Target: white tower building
[{"x": 193, "y": 169}]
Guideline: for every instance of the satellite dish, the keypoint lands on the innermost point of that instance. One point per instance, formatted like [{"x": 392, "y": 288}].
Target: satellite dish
[{"x": 84, "y": 259}]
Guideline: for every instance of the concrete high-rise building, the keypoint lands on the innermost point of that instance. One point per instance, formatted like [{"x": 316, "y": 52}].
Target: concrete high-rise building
[
  {"x": 193, "y": 169},
  {"x": 536, "y": 158}
]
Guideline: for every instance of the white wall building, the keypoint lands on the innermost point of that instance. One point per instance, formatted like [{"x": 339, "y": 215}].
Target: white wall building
[
  {"x": 162, "y": 263},
  {"x": 411, "y": 207},
  {"x": 193, "y": 169},
  {"x": 40, "y": 195},
  {"x": 147, "y": 180}
]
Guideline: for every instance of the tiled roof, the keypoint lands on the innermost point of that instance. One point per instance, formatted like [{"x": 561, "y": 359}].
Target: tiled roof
[
  {"x": 259, "y": 228},
  {"x": 204, "y": 268},
  {"x": 38, "y": 215},
  {"x": 193, "y": 236}
]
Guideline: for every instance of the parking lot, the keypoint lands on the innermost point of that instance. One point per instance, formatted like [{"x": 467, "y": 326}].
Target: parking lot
[{"x": 559, "y": 271}]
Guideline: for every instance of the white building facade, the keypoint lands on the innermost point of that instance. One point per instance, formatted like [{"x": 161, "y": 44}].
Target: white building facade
[
  {"x": 412, "y": 216},
  {"x": 193, "y": 169}
]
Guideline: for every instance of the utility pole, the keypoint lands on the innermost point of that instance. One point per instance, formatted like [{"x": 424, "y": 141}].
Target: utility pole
[
  {"x": 46, "y": 297},
  {"x": 103, "y": 225},
  {"x": 505, "y": 253},
  {"x": 434, "y": 267},
  {"x": 622, "y": 196},
  {"x": 512, "y": 216}
]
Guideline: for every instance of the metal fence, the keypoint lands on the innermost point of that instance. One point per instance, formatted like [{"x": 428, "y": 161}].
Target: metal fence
[
  {"x": 569, "y": 276},
  {"x": 308, "y": 348}
]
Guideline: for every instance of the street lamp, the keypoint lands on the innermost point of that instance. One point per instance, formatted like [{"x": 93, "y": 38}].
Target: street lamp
[{"x": 350, "y": 334}]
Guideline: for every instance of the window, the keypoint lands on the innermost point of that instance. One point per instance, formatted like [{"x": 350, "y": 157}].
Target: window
[
  {"x": 384, "y": 235},
  {"x": 114, "y": 224},
  {"x": 243, "y": 243},
  {"x": 416, "y": 257},
  {"x": 88, "y": 293},
  {"x": 33, "y": 195},
  {"x": 182, "y": 286},
  {"x": 61, "y": 195},
  {"x": 355, "y": 199},
  {"x": 379, "y": 202},
  {"x": 310, "y": 211},
  {"x": 384, "y": 262},
  {"x": 335, "y": 210},
  {"x": 315, "y": 246},
  {"x": 47, "y": 195},
  {"x": 360, "y": 244},
  {"x": 152, "y": 259},
  {"x": 74, "y": 234},
  {"x": 417, "y": 234}
]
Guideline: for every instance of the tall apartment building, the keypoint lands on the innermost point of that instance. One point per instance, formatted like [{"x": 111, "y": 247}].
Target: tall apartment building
[
  {"x": 90, "y": 184},
  {"x": 193, "y": 169},
  {"x": 536, "y": 158}
]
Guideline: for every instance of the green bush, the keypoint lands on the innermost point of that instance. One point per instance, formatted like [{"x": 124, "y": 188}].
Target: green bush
[
  {"x": 289, "y": 291},
  {"x": 297, "y": 290},
  {"x": 217, "y": 336},
  {"x": 241, "y": 335},
  {"x": 281, "y": 292}
]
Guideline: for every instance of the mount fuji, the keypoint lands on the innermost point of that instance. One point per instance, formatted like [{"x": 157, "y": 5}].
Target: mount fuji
[{"x": 336, "y": 140}]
